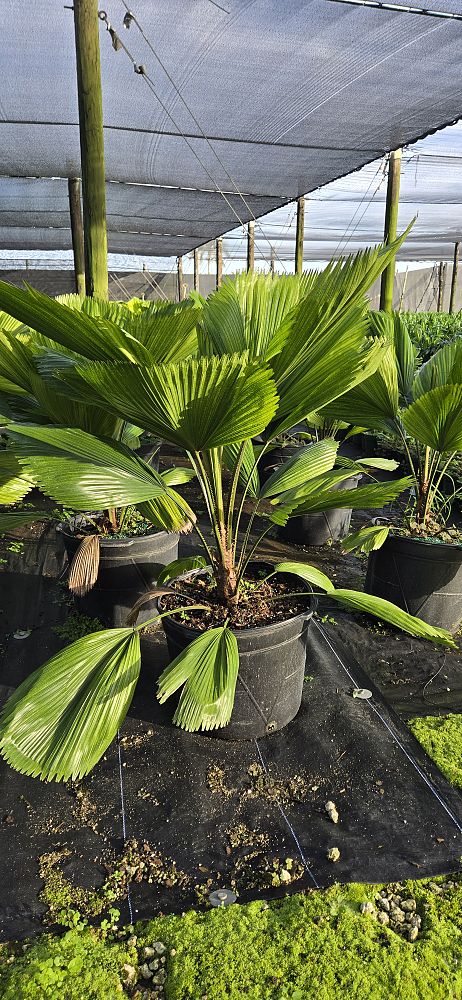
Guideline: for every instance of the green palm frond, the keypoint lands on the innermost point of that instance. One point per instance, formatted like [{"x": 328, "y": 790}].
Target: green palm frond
[
  {"x": 83, "y": 471},
  {"x": 443, "y": 368},
  {"x": 196, "y": 405},
  {"x": 374, "y": 402},
  {"x": 306, "y": 464},
  {"x": 248, "y": 471},
  {"x": 15, "y": 482},
  {"x": 12, "y": 519},
  {"x": 62, "y": 718},
  {"x": 207, "y": 671},
  {"x": 435, "y": 418},
  {"x": 376, "y": 495},
  {"x": 366, "y": 539}
]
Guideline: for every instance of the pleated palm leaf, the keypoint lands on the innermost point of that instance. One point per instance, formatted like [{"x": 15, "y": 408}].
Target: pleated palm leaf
[
  {"x": 266, "y": 357},
  {"x": 422, "y": 406}
]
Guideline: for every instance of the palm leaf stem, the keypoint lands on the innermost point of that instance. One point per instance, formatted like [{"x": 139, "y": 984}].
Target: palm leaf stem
[
  {"x": 247, "y": 559},
  {"x": 173, "y": 611},
  {"x": 233, "y": 489},
  {"x": 434, "y": 487},
  {"x": 412, "y": 469},
  {"x": 247, "y": 535},
  {"x": 209, "y": 499},
  {"x": 246, "y": 489}
]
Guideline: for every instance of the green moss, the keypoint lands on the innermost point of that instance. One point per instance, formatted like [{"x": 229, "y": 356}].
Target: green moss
[
  {"x": 81, "y": 965},
  {"x": 314, "y": 947},
  {"x": 76, "y": 626},
  {"x": 441, "y": 738}
]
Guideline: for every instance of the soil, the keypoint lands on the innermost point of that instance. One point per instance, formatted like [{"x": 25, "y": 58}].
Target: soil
[{"x": 260, "y": 603}]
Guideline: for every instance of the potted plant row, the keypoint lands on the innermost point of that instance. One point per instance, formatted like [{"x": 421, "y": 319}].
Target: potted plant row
[
  {"x": 415, "y": 561},
  {"x": 114, "y": 552},
  {"x": 268, "y": 352}
]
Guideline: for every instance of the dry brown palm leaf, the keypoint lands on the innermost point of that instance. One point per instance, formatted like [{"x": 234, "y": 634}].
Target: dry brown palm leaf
[{"x": 83, "y": 571}]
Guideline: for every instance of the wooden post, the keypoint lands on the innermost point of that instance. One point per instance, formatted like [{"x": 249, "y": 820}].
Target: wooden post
[
  {"x": 219, "y": 259},
  {"x": 196, "y": 270},
  {"x": 455, "y": 268},
  {"x": 441, "y": 285},
  {"x": 75, "y": 212},
  {"x": 86, "y": 25},
  {"x": 273, "y": 262},
  {"x": 180, "y": 279},
  {"x": 250, "y": 245},
  {"x": 391, "y": 227},
  {"x": 300, "y": 235}
]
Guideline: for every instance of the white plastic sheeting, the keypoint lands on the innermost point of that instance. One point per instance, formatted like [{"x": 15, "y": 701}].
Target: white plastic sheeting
[{"x": 281, "y": 97}]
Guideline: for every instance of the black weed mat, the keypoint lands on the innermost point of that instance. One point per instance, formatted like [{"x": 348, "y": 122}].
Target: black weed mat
[{"x": 200, "y": 813}]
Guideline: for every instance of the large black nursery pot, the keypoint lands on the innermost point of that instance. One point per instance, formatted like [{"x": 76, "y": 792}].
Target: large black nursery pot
[
  {"x": 271, "y": 673},
  {"x": 271, "y": 460},
  {"x": 128, "y": 567},
  {"x": 323, "y": 526},
  {"x": 424, "y": 578}
]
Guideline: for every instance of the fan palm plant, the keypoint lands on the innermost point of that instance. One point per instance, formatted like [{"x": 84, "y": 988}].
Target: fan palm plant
[
  {"x": 420, "y": 404},
  {"x": 31, "y": 362},
  {"x": 269, "y": 351}
]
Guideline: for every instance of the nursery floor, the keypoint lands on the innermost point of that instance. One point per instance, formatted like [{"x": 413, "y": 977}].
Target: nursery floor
[{"x": 205, "y": 812}]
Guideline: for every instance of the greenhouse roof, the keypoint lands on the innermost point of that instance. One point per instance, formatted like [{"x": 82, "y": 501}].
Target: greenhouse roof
[{"x": 242, "y": 107}]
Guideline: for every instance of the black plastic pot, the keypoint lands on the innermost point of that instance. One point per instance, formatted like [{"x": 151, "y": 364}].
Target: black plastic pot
[
  {"x": 128, "y": 566},
  {"x": 324, "y": 526},
  {"x": 271, "y": 672},
  {"x": 423, "y": 578}
]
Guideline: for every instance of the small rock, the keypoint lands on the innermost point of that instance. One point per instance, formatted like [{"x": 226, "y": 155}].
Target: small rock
[
  {"x": 435, "y": 888},
  {"x": 148, "y": 953},
  {"x": 145, "y": 971},
  {"x": 413, "y": 933},
  {"x": 154, "y": 965},
  {"x": 408, "y": 905},
  {"x": 333, "y": 854},
  {"x": 285, "y": 876},
  {"x": 331, "y": 810},
  {"x": 173, "y": 952},
  {"x": 449, "y": 885},
  {"x": 398, "y": 916},
  {"x": 383, "y": 918},
  {"x": 132, "y": 941},
  {"x": 415, "y": 920},
  {"x": 368, "y": 908},
  {"x": 384, "y": 903},
  {"x": 129, "y": 974},
  {"x": 160, "y": 977},
  {"x": 159, "y": 947}
]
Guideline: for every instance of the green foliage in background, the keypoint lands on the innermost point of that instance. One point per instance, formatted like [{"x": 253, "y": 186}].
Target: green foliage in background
[{"x": 430, "y": 330}]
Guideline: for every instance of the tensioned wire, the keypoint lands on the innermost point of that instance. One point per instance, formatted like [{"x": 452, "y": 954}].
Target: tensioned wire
[
  {"x": 151, "y": 85},
  {"x": 199, "y": 127}
]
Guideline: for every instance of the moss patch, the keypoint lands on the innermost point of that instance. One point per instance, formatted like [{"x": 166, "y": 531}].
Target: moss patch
[{"x": 441, "y": 738}]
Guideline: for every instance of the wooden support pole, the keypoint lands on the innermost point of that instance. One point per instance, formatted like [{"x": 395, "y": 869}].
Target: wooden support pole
[
  {"x": 250, "y": 245},
  {"x": 180, "y": 279},
  {"x": 391, "y": 227},
  {"x": 219, "y": 258},
  {"x": 441, "y": 286},
  {"x": 196, "y": 271},
  {"x": 273, "y": 262},
  {"x": 299, "y": 238},
  {"x": 75, "y": 212},
  {"x": 455, "y": 268},
  {"x": 86, "y": 25}
]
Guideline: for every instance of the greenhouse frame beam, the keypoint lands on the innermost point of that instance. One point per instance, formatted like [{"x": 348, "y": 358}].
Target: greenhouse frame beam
[
  {"x": 86, "y": 23},
  {"x": 75, "y": 212},
  {"x": 300, "y": 235},
  {"x": 391, "y": 228}
]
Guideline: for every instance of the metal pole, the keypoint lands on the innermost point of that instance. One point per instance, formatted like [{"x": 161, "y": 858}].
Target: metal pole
[
  {"x": 391, "y": 227},
  {"x": 219, "y": 258},
  {"x": 75, "y": 212},
  {"x": 250, "y": 246},
  {"x": 86, "y": 25},
  {"x": 455, "y": 268},
  {"x": 196, "y": 270},
  {"x": 441, "y": 284},
  {"x": 300, "y": 235},
  {"x": 180, "y": 279}
]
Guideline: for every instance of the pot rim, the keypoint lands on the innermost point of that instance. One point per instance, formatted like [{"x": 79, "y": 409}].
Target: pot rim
[
  {"x": 434, "y": 545},
  {"x": 248, "y": 631},
  {"x": 63, "y": 527}
]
